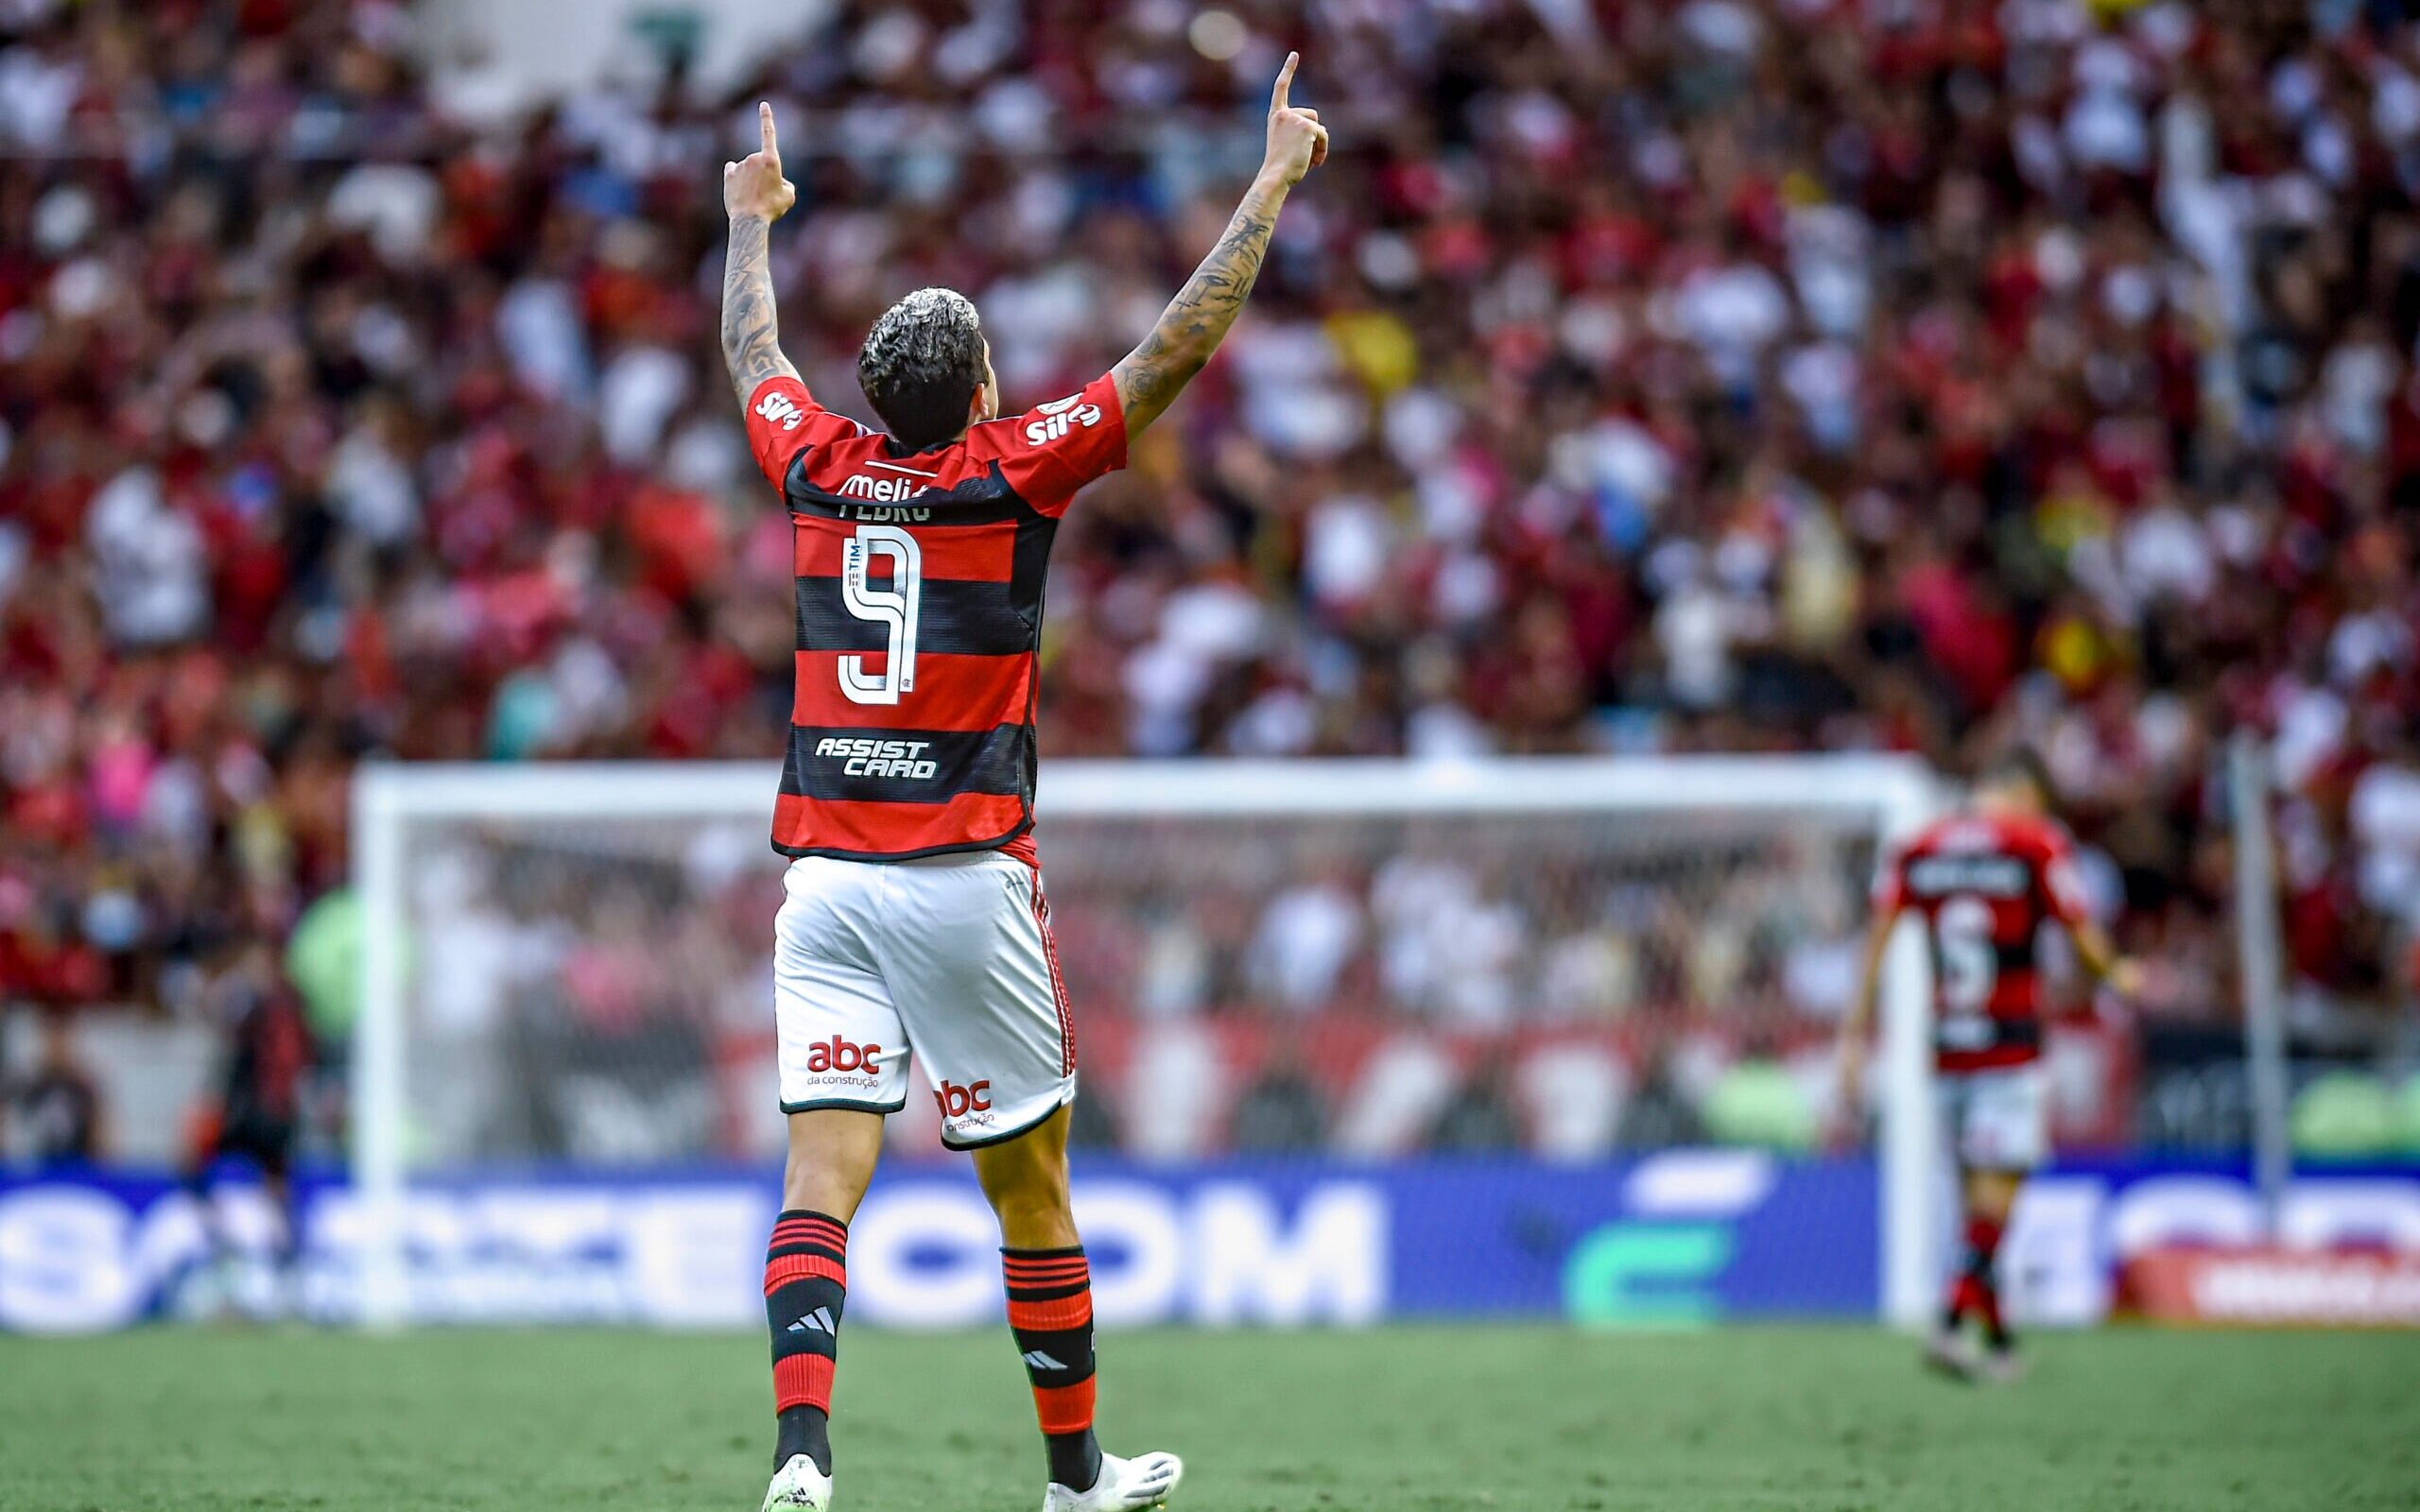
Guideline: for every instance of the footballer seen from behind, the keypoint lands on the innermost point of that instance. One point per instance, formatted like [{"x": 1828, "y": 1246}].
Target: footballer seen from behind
[
  {"x": 1985, "y": 882},
  {"x": 914, "y": 925}
]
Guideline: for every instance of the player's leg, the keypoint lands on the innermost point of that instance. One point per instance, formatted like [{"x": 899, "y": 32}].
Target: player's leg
[
  {"x": 1050, "y": 1287},
  {"x": 842, "y": 1055},
  {"x": 1048, "y": 1290},
  {"x": 1050, "y": 1313},
  {"x": 1947, "y": 1349},
  {"x": 977, "y": 985},
  {"x": 271, "y": 1144},
  {"x": 1991, "y": 1196},
  {"x": 214, "y": 1271},
  {"x": 2007, "y": 1134},
  {"x": 831, "y": 1155}
]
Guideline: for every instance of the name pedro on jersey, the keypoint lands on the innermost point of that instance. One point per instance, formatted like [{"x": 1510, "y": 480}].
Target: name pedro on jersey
[{"x": 870, "y": 757}]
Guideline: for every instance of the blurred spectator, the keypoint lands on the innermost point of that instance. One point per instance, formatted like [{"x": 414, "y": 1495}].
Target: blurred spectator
[
  {"x": 1478, "y": 1118},
  {"x": 59, "y": 1106},
  {"x": 1282, "y": 1112},
  {"x": 1092, "y": 1122},
  {"x": 1660, "y": 1113}
]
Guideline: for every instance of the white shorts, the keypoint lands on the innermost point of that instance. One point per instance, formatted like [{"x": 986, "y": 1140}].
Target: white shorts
[
  {"x": 1998, "y": 1120},
  {"x": 947, "y": 957}
]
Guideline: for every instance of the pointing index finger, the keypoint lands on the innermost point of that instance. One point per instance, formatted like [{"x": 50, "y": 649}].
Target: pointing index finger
[
  {"x": 1285, "y": 81},
  {"x": 765, "y": 130}
]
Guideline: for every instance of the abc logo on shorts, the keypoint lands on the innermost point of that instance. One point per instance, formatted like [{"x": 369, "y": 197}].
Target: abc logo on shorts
[
  {"x": 839, "y": 1055},
  {"x": 957, "y": 1101}
]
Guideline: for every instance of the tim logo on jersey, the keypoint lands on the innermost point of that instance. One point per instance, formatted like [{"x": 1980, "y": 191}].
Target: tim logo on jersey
[
  {"x": 779, "y": 409},
  {"x": 1060, "y": 416}
]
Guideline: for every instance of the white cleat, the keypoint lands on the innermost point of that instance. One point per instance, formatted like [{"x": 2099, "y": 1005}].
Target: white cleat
[
  {"x": 798, "y": 1487},
  {"x": 1946, "y": 1352},
  {"x": 1145, "y": 1480}
]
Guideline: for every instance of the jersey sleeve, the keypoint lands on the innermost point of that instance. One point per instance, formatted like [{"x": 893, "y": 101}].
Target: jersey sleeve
[
  {"x": 784, "y": 419},
  {"x": 1053, "y": 450},
  {"x": 2063, "y": 889},
  {"x": 1890, "y": 883}
]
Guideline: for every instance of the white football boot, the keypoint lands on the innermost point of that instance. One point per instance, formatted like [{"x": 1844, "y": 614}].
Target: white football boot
[
  {"x": 798, "y": 1487},
  {"x": 1946, "y": 1352},
  {"x": 1145, "y": 1480},
  {"x": 2001, "y": 1367}
]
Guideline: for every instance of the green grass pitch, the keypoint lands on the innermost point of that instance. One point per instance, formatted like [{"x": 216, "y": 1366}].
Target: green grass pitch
[{"x": 1390, "y": 1420}]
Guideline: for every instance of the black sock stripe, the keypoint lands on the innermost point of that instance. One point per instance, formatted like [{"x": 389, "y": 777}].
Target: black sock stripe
[
  {"x": 1048, "y": 1294},
  {"x": 806, "y": 1247},
  {"x": 1049, "y": 1341},
  {"x": 789, "y": 1213},
  {"x": 1071, "y": 1252}
]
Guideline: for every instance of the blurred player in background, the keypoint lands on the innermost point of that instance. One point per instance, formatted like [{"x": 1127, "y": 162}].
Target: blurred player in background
[
  {"x": 1984, "y": 881},
  {"x": 259, "y": 1113},
  {"x": 915, "y": 917}
]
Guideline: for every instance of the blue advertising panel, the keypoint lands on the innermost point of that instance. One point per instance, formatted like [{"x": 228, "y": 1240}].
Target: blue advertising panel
[
  {"x": 1680, "y": 1238},
  {"x": 1676, "y": 1238}
]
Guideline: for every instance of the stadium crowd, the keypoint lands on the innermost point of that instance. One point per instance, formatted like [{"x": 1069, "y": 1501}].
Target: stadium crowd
[{"x": 1674, "y": 376}]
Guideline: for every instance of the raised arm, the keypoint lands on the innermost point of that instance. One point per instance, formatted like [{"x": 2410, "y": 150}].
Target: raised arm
[
  {"x": 754, "y": 195},
  {"x": 1197, "y": 320}
]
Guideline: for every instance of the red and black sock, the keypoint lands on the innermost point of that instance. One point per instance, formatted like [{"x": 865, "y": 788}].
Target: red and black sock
[
  {"x": 1976, "y": 1289},
  {"x": 806, "y": 1282},
  {"x": 1050, "y": 1312}
]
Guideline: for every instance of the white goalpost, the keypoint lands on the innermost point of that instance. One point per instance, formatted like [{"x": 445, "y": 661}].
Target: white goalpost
[{"x": 570, "y": 962}]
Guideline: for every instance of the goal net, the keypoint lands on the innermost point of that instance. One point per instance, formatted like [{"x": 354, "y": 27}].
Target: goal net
[{"x": 1563, "y": 962}]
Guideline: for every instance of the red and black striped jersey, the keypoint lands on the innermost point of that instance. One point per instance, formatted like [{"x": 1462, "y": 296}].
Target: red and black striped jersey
[
  {"x": 919, "y": 582},
  {"x": 1985, "y": 884}
]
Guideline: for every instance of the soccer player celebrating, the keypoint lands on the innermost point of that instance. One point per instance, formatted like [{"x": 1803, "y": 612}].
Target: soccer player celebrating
[
  {"x": 1984, "y": 882},
  {"x": 914, "y": 919}
]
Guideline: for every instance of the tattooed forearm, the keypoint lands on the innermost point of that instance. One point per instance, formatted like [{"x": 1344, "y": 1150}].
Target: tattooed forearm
[
  {"x": 750, "y": 337},
  {"x": 1197, "y": 320}
]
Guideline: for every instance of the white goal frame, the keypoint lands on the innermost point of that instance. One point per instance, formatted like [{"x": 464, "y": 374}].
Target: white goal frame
[{"x": 1896, "y": 795}]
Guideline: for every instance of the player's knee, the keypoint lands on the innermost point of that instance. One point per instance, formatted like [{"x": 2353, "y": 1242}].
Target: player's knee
[
  {"x": 809, "y": 1187},
  {"x": 1031, "y": 1201},
  {"x": 831, "y": 1160},
  {"x": 823, "y": 1182},
  {"x": 1991, "y": 1195},
  {"x": 1037, "y": 1222}
]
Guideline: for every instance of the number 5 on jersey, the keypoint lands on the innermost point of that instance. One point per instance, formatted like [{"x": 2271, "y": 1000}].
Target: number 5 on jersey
[
  {"x": 1970, "y": 966},
  {"x": 894, "y": 607}
]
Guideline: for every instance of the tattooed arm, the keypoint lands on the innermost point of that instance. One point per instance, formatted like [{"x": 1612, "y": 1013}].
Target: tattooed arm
[
  {"x": 756, "y": 194},
  {"x": 1197, "y": 320}
]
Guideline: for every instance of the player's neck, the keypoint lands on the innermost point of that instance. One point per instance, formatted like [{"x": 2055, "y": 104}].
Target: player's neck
[{"x": 900, "y": 448}]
